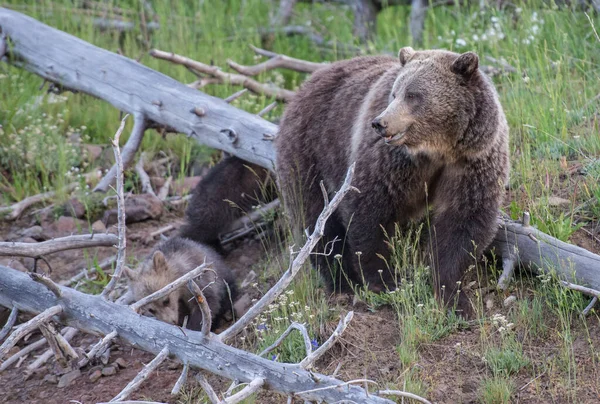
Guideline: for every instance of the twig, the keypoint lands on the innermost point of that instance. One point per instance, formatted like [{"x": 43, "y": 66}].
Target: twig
[
  {"x": 275, "y": 61},
  {"x": 28, "y": 327},
  {"x": 586, "y": 291},
  {"x": 235, "y": 95},
  {"x": 181, "y": 380},
  {"x": 256, "y": 87},
  {"x": 246, "y": 392},
  {"x": 60, "y": 347},
  {"x": 143, "y": 176},
  {"x": 128, "y": 153},
  {"x": 162, "y": 230},
  {"x": 143, "y": 375},
  {"x": 310, "y": 359},
  {"x": 47, "y": 282},
  {"x": 212, "y": 396},
  {"x": 337, "y": 386},
  {"x": 267, "y": 109},
  {"x": 295, "y": 265},
  {"x": 294, "y": 326},
  {"x": 84, "y": 273},
  {"x": 15, "y": 249},
  {"x": 68, "y": 332},
  {"x": 399, "y": 393},
  {"x": 98, "y": 349},
  {"x": 203, "y": 304},
  {"x": 590, "y": 306},
  {"x": 163, "y": 193},
  {"x": 169, "y": 288},
  {"x": 10, "y": 322},
  {"x": 13, "y": 212},
  {"x": 121, "y": 228},
  {"x": 505, "y": 66},
  {"x": 249, "y": 222}
]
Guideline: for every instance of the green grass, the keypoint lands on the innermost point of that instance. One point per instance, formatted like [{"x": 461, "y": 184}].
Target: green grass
[{"x": 551, "y": 107}]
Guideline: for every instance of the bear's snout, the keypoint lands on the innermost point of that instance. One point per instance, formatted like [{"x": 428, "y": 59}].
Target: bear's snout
[{"x": 380, "y": 126}]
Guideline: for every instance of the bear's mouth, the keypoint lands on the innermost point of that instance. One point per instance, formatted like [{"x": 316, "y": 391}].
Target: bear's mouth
[{"x": 392, "y": 139}]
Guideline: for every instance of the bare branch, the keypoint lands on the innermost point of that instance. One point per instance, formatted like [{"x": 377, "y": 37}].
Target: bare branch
[
  {"x": 163, "y": 193},
  {"x": 47, "y": 282},
  {"x": 58, "y": 345},
  {"x": 308, "y": 362},
  {"x": 15, "y": 249},
  {"x": 235, "y": 95},
  {"x": 14, "y": 211},
  {"x": 121, "y": 228},
  {"x": 28, "y": 327},
  {"x": 399, "y": 393},
  {"x": 585, "y": 311},
  {"x": 203, "y": 304},
  {"x": 267, "y": 109},
  {"x": 143, "y": 375},
  {"x": 159, "y": 294},
  {"x": 10, "y": 322},
  {"x": 246, "y": 392},
  {"x": 210, "y": 392},
  {"x": 276, "y": 61},
  {"x": 181, "y": 380},
  {"x": 295, "y": 265},
  {"x": 162, "y": 230},
  {"x": 98, "y": 349},
  {"x": 294, "y": 326},
  {"x": 256, "y": 87},
  {"x": 143, "y": 176},
  {"x": 249, "y": 222},
  {"x": 129, "y": 150},
  {"x": 68, "y": 334},
  {"x": 85, "y": 272}
]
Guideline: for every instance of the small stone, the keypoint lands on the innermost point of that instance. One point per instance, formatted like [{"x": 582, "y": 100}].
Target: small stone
[
  {"x": 74, "y": 208},
  {"x": 137, "y": 208},
  {"x": 95, "y": 376},
  {"x": 98, "y": 227},
  {"x": 109, "y": 371},
  {"x": 93, "y": 151},
  {"x": 558, "y": 201},
  {"x": 65, "y": 226},
  {"x": 51, "y": 378},
  {"x": 489, "y": 303},
  {"x": 172, "y": 365},
  {"x": 509, "y": 301},
  {"x": 242, "y": 305},
  {"x": 67, "y": 378},
  {"x": 120, "y": 362},
  {"x": 35, "y": 232}
]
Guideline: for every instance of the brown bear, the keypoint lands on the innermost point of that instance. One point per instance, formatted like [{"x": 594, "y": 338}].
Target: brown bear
[
  {"x": 169, "y": 261},
  {"x": 426, "y": 131},
  {"x": 230, "y": 189}
]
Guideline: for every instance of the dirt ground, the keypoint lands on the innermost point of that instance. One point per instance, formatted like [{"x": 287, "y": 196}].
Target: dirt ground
[{"x": 451, "y": 368}]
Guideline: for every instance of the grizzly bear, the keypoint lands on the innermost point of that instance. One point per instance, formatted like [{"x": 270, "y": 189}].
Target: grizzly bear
[
  {"x": 230, "y": 189},
  {"x": 169, "y": 261},
  {"x": 429, "y": 139}
]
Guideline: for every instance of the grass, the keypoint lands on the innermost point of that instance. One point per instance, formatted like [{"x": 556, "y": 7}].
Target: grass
[{"x": 551, "y": 106}]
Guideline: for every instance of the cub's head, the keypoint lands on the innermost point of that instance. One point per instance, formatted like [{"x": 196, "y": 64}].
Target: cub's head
[
  {"x": 153, "y": 274},
  {"x": 433, "y": 100}
]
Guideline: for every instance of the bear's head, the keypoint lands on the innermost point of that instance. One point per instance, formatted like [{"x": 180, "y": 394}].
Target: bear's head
[{"x": 433, "y": 100}]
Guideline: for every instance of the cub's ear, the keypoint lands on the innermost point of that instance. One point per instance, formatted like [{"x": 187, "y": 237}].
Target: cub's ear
[
  {"x": 160, "y": 262},
  {"x": 129, "y": 273},
  {"x": 405, "y": 55},
  {"x": 466, "y": 64}
]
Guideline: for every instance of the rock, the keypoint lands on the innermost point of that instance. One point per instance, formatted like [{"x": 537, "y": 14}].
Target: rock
[
  {"x": 74, "y": 208},
  {"x": 489, "y": 303},
  {"x": 157, "y": 182},
  {"x": 109, "y": 371},
  {"x": 67, "y": 378},
  {"x": 242, "y": 305},
  {"x": 95, "y": 376},
  {"x": 509, "y": 301},
  {"x": 51, "y": 378},
  {"x": 184, "y": 187},
  {"x": 558, "y": 201},
  {"x": 14, "y": 264},
  {"x": 98, "y": 227},
  {"x": 66, "y": 226},
  {"x": 120, "y": 362},
  {"x": 137, "y": 208},
  {"x": 34, "y": 232},
  {"x": 93, "y": 151},
  {"x": 172, "y": 365}
]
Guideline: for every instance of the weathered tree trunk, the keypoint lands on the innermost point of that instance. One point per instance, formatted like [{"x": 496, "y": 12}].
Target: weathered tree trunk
[{"x": 95, "y": 315}]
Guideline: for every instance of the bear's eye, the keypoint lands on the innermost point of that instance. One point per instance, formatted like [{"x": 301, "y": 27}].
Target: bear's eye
[
  {"x": 411, "y": 96},
  {"x": 152, "y": 311},
  {"x": 166, "y": 302}
]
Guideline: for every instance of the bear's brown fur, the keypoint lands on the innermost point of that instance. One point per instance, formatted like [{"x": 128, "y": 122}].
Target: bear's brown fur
[
  {"x": 230, "y": 189},
  {"x": 169, "y": 261},
  {"x": 425, "y": 130}
]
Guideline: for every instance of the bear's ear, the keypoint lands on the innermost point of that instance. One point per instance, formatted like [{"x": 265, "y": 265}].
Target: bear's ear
[
  {"x": 405, "y": 55},
  {"x": 160, "y": 262},
  {"x": 129, "y": 273},
  {"x": 466, "y": 64}
]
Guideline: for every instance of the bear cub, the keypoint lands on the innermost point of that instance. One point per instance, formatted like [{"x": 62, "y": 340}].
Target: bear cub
[
  {"x": 169, "y": 261},
  {"x": 430, "y": 141}
]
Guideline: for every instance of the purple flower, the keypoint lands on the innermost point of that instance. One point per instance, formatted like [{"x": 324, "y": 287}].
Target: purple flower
[
  {"x": 261, "y": 327},
  {"x": 314, "y": 343}
]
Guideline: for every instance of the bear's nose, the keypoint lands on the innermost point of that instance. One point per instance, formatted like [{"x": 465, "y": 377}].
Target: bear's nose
[{"x": 380, "y": 126}]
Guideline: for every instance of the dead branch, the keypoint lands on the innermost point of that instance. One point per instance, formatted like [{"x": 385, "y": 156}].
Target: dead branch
[
  {"x": 98, "y": 349},
  {"x": 47, "y": 282},
  {"x": 181, "y": 380},
  {"x": 295, "y": 265},
  {"x": 249, "y": 222},
  {"x": 143, "y": 375},
  {"x": 159, "y": 294},
  {"x": 225, "y": 78},
  {"x": 276, "y": 61},
  {"x": 162, "y": 230},
  {"x": 163, "y": 193},
  {"x": 586, "y": 291},
  {"x": 404, "y": 394},
  {"x": 210, "y": 392},
  {"x": 28, "y": 327},
  {"x": 246, "y": 392},
  {"x": 310, "y": 359},
  {"x": 10, "y": 322},
  {"x": 143, "y": 176},
  {"x": 68, "y": 332},
  {"x": 58, "y": 344},
  {"x": 203, "y": 305},
  {"x": 294, "y": 326},
  {"x": 14, "y": 211},
  {"x": 121, "y": 227},
  {"x": 15, "y": 249},
  {"x": 86, "y": 272}
]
